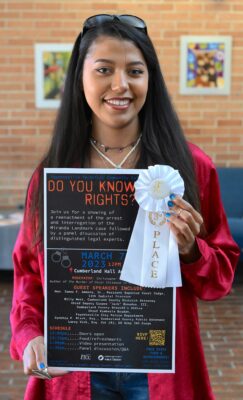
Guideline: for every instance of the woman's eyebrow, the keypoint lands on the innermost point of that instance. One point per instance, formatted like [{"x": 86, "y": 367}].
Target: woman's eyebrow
[{"x": 105, "y": 60}]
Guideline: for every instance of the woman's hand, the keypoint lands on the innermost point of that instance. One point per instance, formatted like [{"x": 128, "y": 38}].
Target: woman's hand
[
  {"x": 34, "y": 359},
  {"x": 185, "y": 222}
]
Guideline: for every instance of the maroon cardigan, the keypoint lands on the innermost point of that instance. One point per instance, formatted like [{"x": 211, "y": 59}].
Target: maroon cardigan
[{"x": 209, "y": 278}]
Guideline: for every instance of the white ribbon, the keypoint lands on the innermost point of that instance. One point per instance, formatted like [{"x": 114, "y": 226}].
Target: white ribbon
[{"x": 152, "y": 258}]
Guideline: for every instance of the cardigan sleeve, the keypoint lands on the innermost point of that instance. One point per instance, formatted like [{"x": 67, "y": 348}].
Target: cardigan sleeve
[
  {"x": 211, "y": 276},
  {"x": 27, "y": 313}
]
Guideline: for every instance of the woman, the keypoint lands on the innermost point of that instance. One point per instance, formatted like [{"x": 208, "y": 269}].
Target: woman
[{"x": 116, "y": 112}]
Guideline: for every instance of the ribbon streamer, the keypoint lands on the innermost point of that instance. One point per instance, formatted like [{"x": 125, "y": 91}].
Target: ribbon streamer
[{"x": 152, "y": 258}]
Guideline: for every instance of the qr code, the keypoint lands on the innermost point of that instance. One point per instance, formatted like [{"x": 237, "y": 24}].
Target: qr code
[{"x": 157, "y": 337}]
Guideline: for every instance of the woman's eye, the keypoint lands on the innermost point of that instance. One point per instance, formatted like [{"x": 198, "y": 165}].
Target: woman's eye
[
  {"x": 136, "y": 72},
  {"x": 103, "y": 70}
]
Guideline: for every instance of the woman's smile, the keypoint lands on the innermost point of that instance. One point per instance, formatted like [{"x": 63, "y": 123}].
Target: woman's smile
[{"x": 118, "y": 103}]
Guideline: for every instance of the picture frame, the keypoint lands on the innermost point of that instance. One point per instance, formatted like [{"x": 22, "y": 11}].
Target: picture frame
[
  {"x": 51, "y": 62},
  {"x": 205, "y": 65}
]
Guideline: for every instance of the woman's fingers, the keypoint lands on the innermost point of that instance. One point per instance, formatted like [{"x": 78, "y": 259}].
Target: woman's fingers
[
  {"x": 39, "y": 351},
  {"x": 185, "y": 222},
  {"x": 34, "y": 359},
  {"x": 182, "y": 229},
  {"x": 184, "y": 205},
  {"x": 34, "y": 355},
  {"x": 29, "y": 362},
  {"x": 57, "y": 372},
  {"x": 189, "y": 219}
]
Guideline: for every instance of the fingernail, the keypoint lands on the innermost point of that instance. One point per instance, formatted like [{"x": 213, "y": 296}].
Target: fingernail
[
  {"x": 172, "y": 196},
  {"x": 42, "y": 365},
  {"x": 170, "y": 203},
  {"x": 167, "y": 215}
]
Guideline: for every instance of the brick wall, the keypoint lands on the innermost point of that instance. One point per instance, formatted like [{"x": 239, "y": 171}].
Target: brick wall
[{"x": 213, "y": 122}]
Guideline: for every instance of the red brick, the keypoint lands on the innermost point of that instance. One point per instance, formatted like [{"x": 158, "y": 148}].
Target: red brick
[{"x": 229, "y": 122}]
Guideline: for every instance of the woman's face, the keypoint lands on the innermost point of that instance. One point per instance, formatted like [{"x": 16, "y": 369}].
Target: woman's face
[{"x": 115, "y": 82}]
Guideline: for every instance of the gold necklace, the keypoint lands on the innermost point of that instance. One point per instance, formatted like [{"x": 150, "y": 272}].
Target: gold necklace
[
  {"x": 120, "y": 164},
  {"x": 108, "y": 148}
]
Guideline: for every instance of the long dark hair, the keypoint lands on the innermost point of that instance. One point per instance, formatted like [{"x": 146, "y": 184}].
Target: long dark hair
[{"x": 163, "y": 141}]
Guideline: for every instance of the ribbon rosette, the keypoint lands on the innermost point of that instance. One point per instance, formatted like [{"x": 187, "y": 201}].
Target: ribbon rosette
[{"x": 152, "y": 258}]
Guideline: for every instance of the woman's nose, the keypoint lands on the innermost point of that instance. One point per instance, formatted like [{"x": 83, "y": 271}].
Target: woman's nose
[{"x": 119, "y": 82}]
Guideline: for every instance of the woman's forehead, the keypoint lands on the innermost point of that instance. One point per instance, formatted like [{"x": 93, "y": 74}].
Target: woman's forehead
[{"x": 108, "y": 46}]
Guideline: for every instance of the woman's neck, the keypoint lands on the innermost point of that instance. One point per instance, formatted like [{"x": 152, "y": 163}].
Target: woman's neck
[
  {"x": 115, "y": 137},
  {"x": 115, "y": 160}
]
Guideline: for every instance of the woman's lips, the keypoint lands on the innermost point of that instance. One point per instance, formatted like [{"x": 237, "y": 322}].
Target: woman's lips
[{"x": 118, "y": 103}]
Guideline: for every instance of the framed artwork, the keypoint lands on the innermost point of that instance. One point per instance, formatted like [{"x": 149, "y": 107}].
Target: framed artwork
[
  {"x": 51, "y": 62},
  {"x": 205, "y": 65}
]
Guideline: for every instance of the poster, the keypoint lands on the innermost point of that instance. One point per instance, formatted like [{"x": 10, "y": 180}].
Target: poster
[{"x": 93, "y": 320}]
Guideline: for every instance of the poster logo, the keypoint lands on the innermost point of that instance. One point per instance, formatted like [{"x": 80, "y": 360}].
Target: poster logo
[{"x": 110, "y": 358}]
